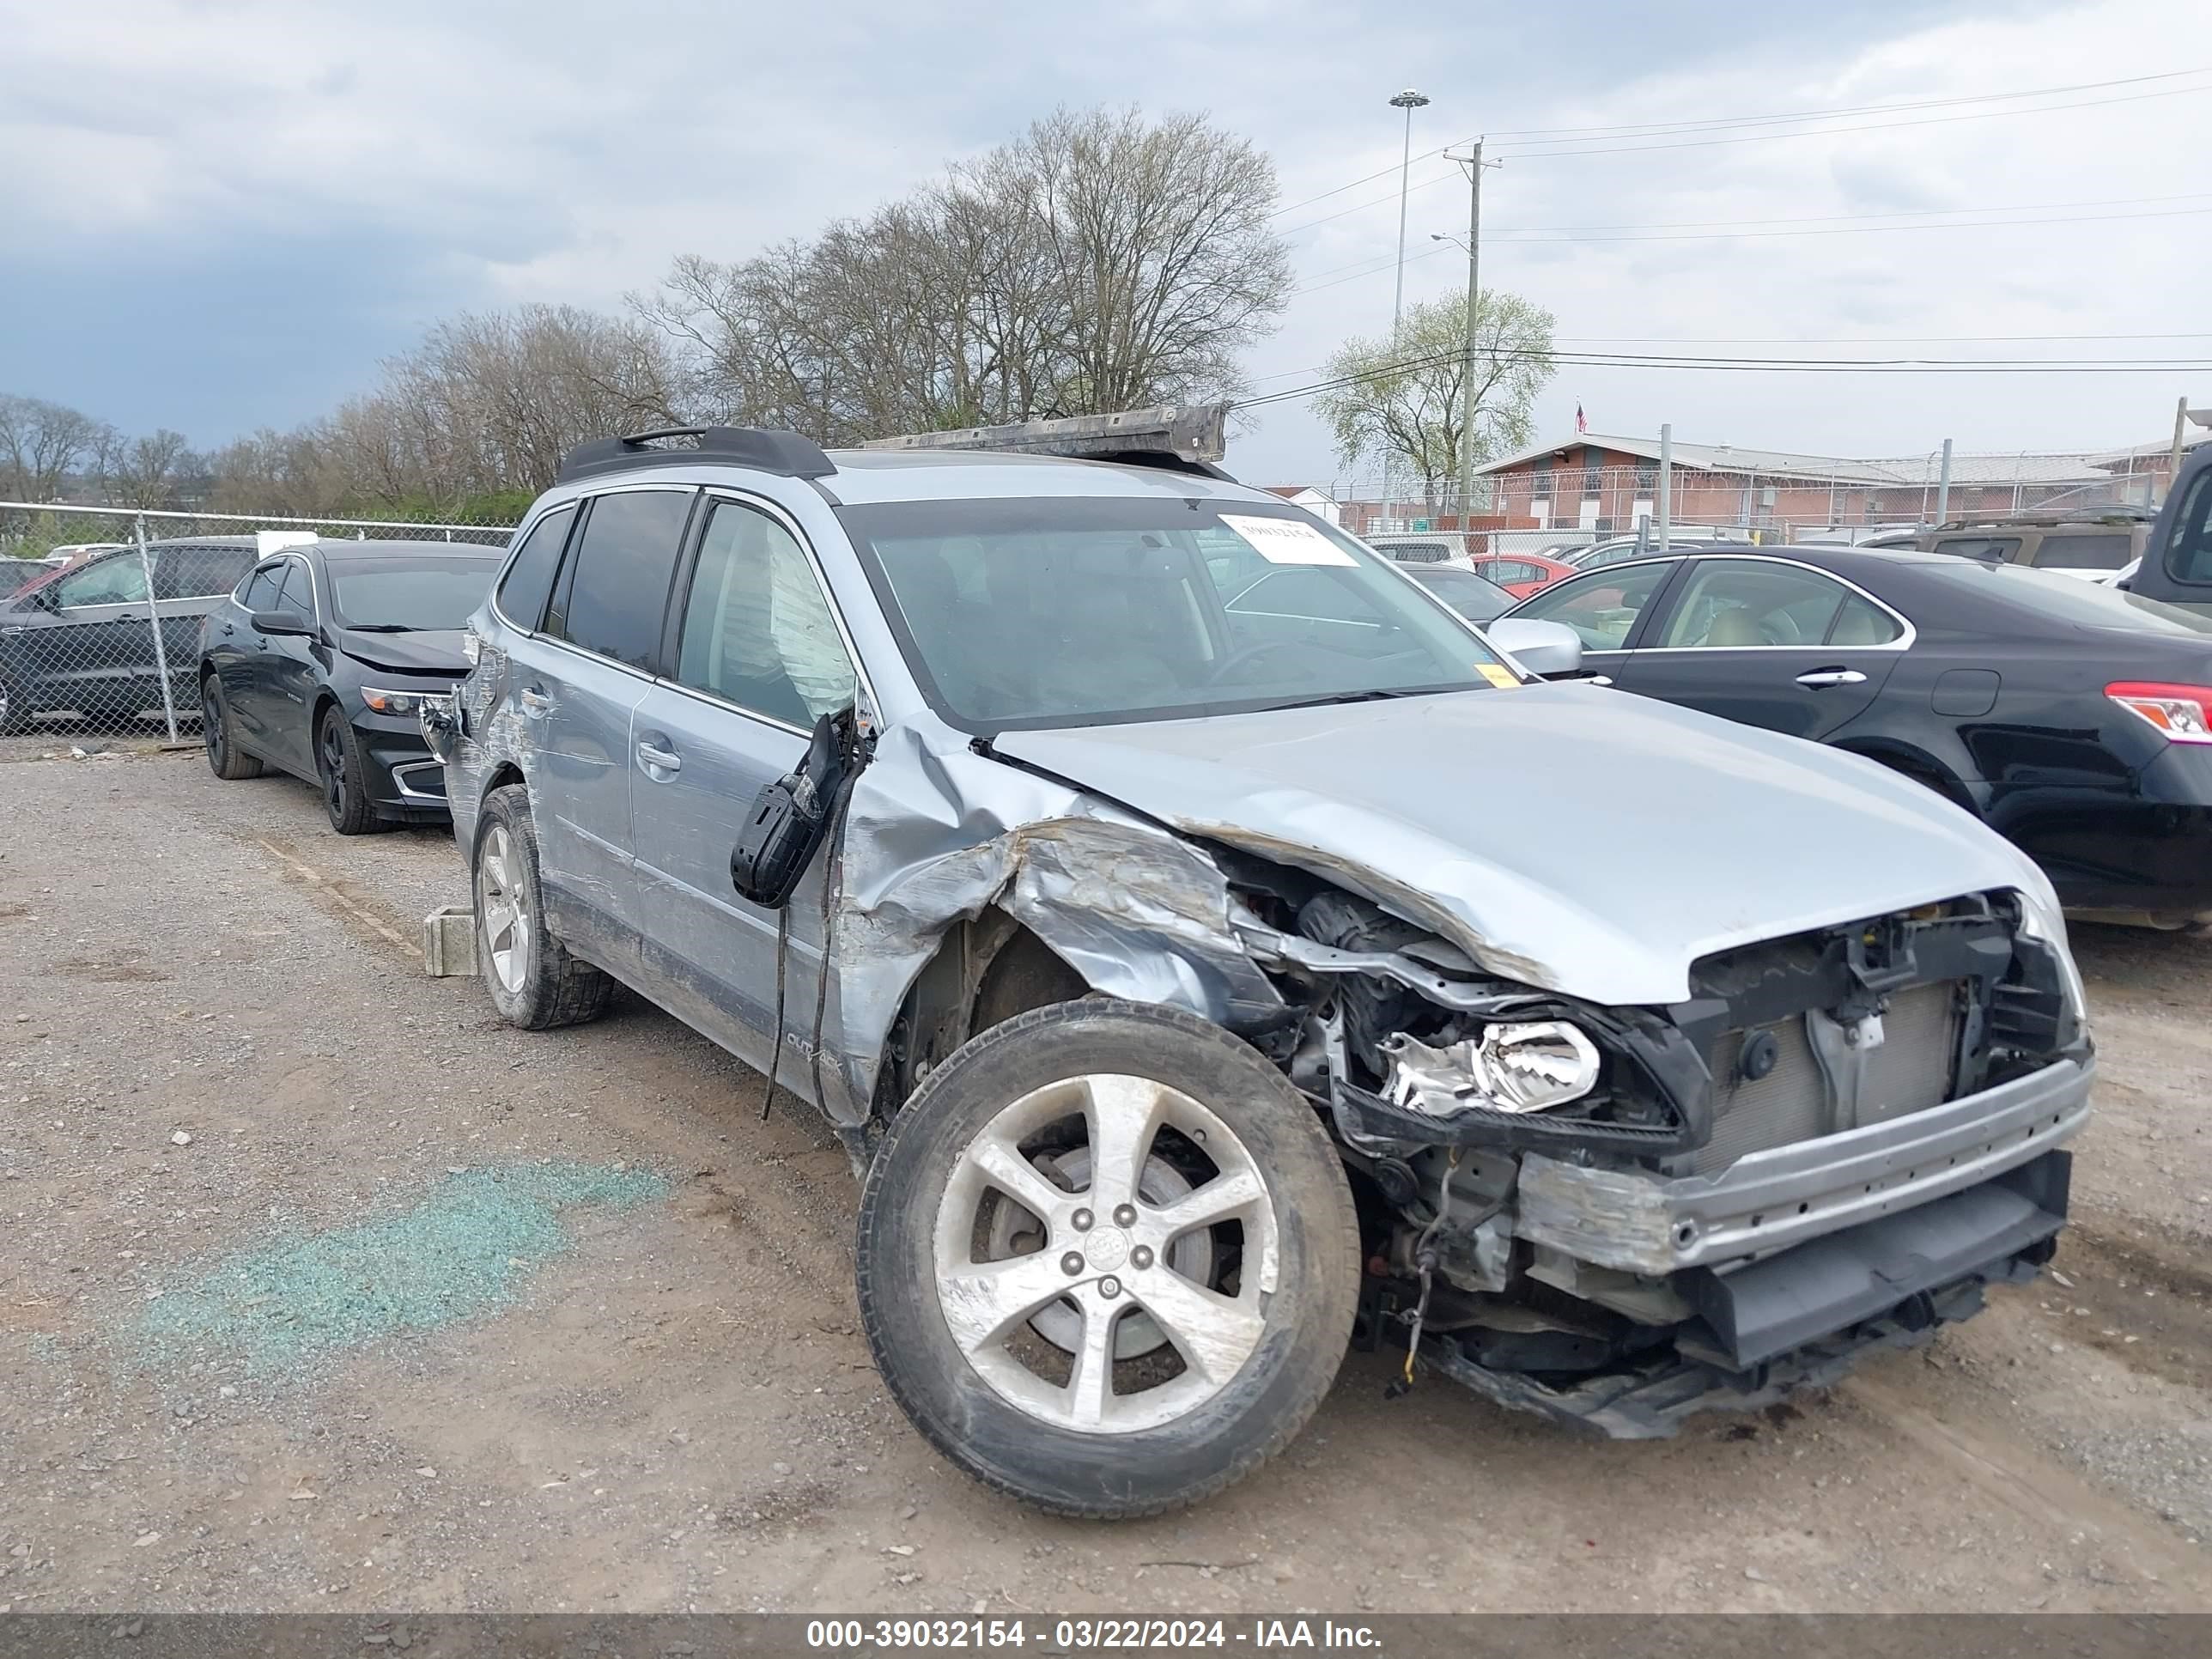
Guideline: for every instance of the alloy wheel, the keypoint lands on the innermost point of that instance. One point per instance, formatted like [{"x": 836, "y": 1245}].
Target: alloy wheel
[
  {"x": 331, "y": 757},
  {"x": 1150, "y": 1255},
  {"x": 211, "y": 731},
  {"x": 503, "y": 909}
]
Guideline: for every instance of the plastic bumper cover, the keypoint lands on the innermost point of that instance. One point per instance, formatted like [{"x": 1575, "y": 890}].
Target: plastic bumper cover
[{"x": 1769, "y": 1201}]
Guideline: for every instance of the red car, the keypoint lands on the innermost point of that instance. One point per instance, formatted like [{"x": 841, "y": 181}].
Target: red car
[{"x": 1519, "y": 573}]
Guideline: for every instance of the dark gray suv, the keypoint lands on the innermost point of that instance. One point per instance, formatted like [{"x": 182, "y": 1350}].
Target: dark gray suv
[{"x": 1202, "y": 937}]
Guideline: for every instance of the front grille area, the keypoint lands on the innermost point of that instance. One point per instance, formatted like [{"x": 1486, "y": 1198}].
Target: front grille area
[{"x": 1910, "y": 1072}]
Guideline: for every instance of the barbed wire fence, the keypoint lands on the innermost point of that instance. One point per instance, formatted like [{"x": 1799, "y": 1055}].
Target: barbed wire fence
[
  {"x": 1565, "y": 501},
  {"x": 101, "y": 607}
]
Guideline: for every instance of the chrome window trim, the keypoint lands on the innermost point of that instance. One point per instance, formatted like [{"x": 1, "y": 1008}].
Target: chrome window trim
[{"x": 1903, "y": 642}]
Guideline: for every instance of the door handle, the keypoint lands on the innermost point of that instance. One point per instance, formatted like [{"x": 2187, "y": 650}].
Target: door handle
[
  {"x": 535, "y": 703},
  {"x": 657, "y": 759},
  {"x": 1820, "y": 677}
]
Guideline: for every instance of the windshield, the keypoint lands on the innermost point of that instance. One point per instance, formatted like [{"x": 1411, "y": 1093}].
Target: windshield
[
  {"x": 407, "y": 596},
  {"x": 1474, "y": 598},
  {"x": 1065, "y": 611},
  {"x": 2068, "y": 598}
]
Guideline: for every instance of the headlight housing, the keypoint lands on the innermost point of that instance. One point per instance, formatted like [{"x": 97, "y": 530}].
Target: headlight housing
[
  {"x": 383, "y": 701},
  {"x": 2041, "y": 919},
  {"x": 1511, "y": 1065}
]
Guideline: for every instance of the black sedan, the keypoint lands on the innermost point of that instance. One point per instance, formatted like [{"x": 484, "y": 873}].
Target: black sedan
[
  {"x": 320, "y": 665},
  {"x": 2072, "y": 718}
]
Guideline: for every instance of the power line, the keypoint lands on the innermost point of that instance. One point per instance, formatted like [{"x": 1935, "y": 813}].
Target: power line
[
  {"x": 1766, "y": 366},
  {"x": 1746, "y": 229},
  {"x": 1749, "y": 138},
  {"x": 1565, "y": 135}
]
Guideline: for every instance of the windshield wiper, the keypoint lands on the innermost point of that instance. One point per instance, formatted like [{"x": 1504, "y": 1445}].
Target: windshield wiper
[
  {"x": 1371, "y": 696},
  {"x": 382, "y": 628}
]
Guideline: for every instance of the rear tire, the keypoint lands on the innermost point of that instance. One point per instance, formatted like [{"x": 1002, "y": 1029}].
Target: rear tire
[
  {"x": 535, "y": 981},
  {"x": 1185, "y": 1368},
  {"x": 224, "y": 757},
  {"x": 15, "y": 708}
]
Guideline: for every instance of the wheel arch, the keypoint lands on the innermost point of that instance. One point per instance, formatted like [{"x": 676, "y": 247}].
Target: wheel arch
[{"x": 1916, "y": 761}]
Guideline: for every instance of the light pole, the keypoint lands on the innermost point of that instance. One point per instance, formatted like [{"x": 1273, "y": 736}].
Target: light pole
[{"x": 1408, "y": 101}]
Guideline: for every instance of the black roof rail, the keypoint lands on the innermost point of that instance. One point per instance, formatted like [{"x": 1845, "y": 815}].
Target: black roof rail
[{"x": 764, "y": 450}]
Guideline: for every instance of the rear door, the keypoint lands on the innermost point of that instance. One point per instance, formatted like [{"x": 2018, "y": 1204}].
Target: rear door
[
  {"x": 756, "y": 659},
  {"x": 2177, "y": 565},
  {"x": 577, "y": 683},
  {"x": 1767, "y": 642}
]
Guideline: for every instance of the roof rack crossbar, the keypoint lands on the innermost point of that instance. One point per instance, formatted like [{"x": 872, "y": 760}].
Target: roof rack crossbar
[
  {"x": 1182, "y": 438},
  {"x": 762, "y": 448}
]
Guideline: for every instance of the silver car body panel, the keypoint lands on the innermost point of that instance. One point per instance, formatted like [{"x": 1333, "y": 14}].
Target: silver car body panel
[
  {"x": 1497, "y": 819},
  {"x": 1493, "y": 818}
]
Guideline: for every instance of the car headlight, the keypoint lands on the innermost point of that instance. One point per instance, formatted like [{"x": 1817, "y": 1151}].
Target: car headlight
[
  {"x": 1513, "y": 1066},
  {"x": 402, "y": 703}
]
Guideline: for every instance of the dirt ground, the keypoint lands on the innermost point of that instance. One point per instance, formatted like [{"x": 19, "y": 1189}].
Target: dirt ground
[{"x": 636, "y": 1379}]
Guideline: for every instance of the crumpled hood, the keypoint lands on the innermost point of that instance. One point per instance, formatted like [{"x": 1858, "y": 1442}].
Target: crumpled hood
[
  {"x": 1575, "y": 837},
  {"x": 432, "y": 651}
]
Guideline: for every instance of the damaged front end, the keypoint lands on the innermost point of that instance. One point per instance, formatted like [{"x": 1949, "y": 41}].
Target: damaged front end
[{"x": 1619, "y": 1216}]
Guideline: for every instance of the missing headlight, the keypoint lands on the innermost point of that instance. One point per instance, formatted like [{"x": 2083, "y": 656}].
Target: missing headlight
[{"x": 1524, "y": 1065}]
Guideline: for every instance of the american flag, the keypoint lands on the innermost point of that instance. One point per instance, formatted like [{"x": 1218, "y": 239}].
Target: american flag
[{"x": 1581, "y": 425}]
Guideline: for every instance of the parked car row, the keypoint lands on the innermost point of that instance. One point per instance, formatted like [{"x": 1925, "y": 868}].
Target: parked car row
[{"x": 1205, "y": 941}]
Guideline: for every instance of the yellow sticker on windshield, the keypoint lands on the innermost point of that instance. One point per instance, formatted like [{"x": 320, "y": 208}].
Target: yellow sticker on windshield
[{"x": 1501, "y": 678}]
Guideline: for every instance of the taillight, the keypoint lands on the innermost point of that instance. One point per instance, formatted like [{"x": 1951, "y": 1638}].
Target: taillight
[{"x": 2183, "y": 712}]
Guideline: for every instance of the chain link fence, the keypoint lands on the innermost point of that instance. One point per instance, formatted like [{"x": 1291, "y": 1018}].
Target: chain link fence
[
  {"x": 1764, "y": 497},
  {"x": 101, "y": 608}
]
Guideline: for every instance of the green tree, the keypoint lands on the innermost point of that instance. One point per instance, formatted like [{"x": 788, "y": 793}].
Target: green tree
[{"x": 1403, "y": 400}]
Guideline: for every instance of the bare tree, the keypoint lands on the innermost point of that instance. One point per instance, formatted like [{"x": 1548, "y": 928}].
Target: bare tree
[
  {"x": 1403, "y": 398},
  {"x": 148, "y": 469},
  {"x": 42, "y": 443},
  {"x": 1098, "y": 262}
]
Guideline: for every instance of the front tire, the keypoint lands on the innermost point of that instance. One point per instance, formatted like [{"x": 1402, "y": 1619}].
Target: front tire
[
  {"x": 535, "y": 981},
  {"x": 1174, "y": 1291},
  {"x": 342, "y": 771},
  {"x": 224, "y": 757}
]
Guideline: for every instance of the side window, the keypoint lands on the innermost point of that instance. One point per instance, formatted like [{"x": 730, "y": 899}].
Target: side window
[
  {"x": 1601, "y": 607},
  {"x": 2188, "y": 557},
  {"x": 1861, "y": 623},
  {"x": 1729, "y": 604},
  {"x": 757, "y": 629},
  {"x": 295, "y": 590},
  {"x": 617, "y": 595},
  {"x": 198, "y": 572},
  {"x": 261, "y": 587},
  {"x": 120, "y": 580},
  {"x": 2103, "y": 551},
  {"x": 529, "y": 580}
]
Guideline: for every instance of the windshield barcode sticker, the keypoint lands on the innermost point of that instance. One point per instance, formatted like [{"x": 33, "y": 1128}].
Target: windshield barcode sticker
[{"x": 1287, "y": 541}]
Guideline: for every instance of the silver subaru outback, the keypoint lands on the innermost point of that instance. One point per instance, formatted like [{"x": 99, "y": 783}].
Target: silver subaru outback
[{"x": 1213, "y": 952}]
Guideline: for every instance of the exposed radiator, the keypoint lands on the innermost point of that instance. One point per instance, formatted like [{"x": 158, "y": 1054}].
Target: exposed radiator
[{"x": 1910, "y": 1072}]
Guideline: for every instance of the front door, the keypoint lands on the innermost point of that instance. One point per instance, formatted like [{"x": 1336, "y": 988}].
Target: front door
[
  {"x": 285, "y": 677},
  {"x": 578, "y": 685},
  {"x": 1603, "y": 607},
  {"x": 758, "y": 660},
  {"x": 81, "y": 651},
  {"x": 1766, "y": 642}
]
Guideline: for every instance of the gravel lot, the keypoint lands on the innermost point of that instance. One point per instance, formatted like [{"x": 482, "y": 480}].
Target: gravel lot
[{"x": 636, "y": 1380}]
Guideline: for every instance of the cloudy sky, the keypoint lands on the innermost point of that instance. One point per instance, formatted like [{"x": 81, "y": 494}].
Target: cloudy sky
[{"x": 221, "y": 213}]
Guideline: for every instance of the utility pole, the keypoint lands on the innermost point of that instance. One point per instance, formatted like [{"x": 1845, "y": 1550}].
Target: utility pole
[
  {"x": 1473, "y": 162},
  {"x": 1666, "y": 482},
  {"x": 2173, "y": 461},
  {"x": 1944, "y": 488},
  {"x": 1408, "y": 101}
]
